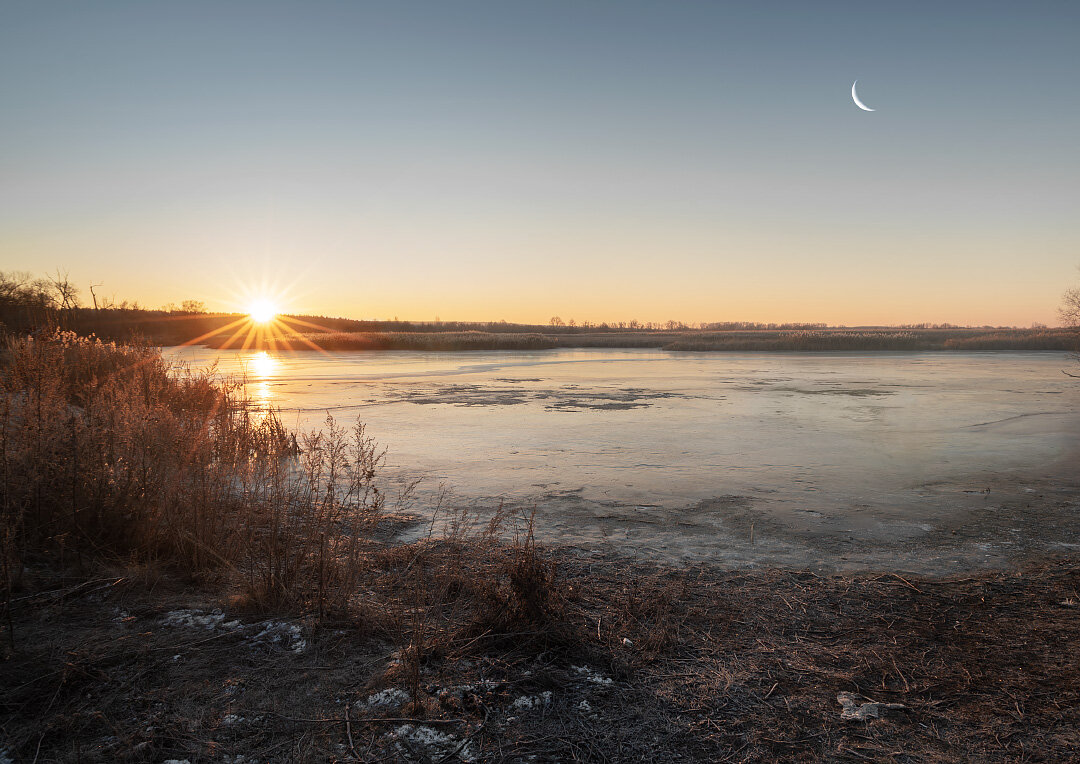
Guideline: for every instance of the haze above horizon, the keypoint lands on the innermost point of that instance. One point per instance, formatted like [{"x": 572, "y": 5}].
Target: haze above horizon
[{"x": 601, "y": 161}]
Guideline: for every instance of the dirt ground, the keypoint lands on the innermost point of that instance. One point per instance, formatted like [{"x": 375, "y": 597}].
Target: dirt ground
[{"x": 643, "y": 662}]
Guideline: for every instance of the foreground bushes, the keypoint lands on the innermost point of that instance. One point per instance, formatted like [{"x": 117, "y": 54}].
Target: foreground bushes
[{"x": 109, "y": 451}]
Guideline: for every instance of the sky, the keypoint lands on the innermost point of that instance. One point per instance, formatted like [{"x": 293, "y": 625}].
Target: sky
[{"x": 602, "y": 161}]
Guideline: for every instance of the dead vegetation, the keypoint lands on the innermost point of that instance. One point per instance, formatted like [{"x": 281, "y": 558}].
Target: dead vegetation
[{"x": 636, "y": 664}]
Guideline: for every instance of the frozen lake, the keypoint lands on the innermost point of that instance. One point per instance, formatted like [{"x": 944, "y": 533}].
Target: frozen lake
[{"x": 843, "y": 459}]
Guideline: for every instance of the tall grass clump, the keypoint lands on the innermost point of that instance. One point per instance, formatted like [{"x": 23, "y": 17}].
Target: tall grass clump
[{"x": 109, "y": 452}]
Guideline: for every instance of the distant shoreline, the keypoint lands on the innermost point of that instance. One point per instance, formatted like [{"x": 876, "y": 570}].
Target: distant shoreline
[
  {"x": 221, "y": 331},
  {"x": 783, "y": 341}
]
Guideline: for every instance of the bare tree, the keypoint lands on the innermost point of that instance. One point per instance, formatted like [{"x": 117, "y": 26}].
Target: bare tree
[
  {"x": 1070, "y": 314},
  {"x": 93, "y": 295},
  {"x": 66, "y": 293},
  {"x": 1070, "y": 307},
  {"x": 195, "y": 306},
  {"x": 22, "y": 289}
]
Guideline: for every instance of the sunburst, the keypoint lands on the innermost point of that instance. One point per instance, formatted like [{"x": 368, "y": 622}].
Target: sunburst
[
  {"x": 262, "y": 311},
  {"x": 263, "y": 326}
]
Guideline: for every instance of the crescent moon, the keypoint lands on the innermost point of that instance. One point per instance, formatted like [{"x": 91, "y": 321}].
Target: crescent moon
[{"x": 855, "y": 98}]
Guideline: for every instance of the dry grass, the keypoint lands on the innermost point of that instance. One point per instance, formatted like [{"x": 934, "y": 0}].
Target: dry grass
[{"x": 109, "y": 453}]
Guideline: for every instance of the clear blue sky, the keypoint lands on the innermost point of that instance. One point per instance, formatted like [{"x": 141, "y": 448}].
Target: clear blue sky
[{"x": 601, "y": 160}]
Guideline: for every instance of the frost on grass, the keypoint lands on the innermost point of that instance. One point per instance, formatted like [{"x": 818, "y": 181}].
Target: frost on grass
[
  {"x": 281, "y": 634},
  {"x": 592, "y": 676},
  {"x": 531, "y": 702},
  {"x": 413, "y": 740},
  {"x": 391, "y": 697}
]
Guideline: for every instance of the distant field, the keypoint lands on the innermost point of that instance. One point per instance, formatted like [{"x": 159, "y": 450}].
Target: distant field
[
  {"x": 818, "y": 340},
  {"x": 219, "y": 331}
]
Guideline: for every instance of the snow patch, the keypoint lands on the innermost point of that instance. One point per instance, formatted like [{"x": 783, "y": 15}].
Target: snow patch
[
  {"x": 592, "y": 676},
  {"x": 853, "y": 709},
  {"x": 429, "y": 742},
  {"x": 531, "y": 702},
  {"x": 194, "y": 619},
  {"x": 391, "y": 697},
  {"x": 283, "y": 635}
]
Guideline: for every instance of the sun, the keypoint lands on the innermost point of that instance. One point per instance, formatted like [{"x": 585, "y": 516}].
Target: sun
[{"x": 262, "y": 311}]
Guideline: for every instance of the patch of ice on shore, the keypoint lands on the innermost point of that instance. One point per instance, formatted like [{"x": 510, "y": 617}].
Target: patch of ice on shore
[
  {"x": 281, "y": 634},
  {"x": 592, "y": 676},
  {"x": 531, "y": 702},
  {"x": 429, "y": 742},
  {"x": 391, "y": 697}
]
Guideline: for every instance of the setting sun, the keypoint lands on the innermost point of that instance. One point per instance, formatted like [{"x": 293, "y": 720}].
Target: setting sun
[{"x": 262, "y": 311}]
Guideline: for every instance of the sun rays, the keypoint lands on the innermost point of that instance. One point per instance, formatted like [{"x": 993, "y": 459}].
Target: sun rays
[
  {"x": 263, "y": 326},
  {"x": 264, "y": 329}
]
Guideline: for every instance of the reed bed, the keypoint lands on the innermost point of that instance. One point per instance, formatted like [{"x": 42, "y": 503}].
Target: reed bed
[{"x": 110, "y": 453}]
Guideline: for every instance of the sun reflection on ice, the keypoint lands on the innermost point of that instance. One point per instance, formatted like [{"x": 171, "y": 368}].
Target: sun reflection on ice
[
  {"x": 264, "y": 365},
  {"x": 262, "y": 368}
]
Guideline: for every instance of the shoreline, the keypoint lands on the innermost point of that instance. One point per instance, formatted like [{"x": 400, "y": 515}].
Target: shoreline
[{"x": 979, "y": 524}]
